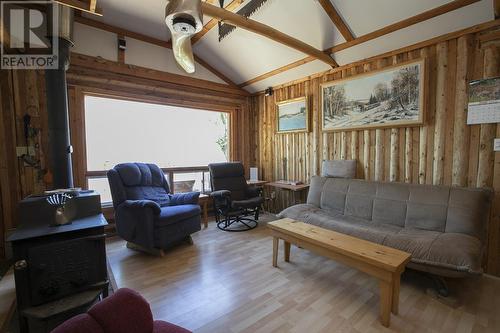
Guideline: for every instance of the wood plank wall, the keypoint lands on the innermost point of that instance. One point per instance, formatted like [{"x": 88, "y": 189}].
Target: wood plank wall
[
  {"x": 23, "y": 92},
  {"x": 443, "y": 151}
]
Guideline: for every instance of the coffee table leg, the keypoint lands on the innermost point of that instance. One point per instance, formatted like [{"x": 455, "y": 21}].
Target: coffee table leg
[
  {"x": 385, "y": 302},
  {"x": 287, "y": 251},
  {"x": 396, "y": 282},
  {"x": 275, "y": 251}
]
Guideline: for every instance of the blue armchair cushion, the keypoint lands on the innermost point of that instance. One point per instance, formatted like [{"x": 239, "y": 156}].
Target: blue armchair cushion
[
  {"x": 184, "y": 198},
  {"x": 141, "y": 204},
  {"x": 174, "y": 214},
  {"x": 141, "y": 174},
  {"x": 156, "y": 194},
  {"x": 139, "y": 181}
]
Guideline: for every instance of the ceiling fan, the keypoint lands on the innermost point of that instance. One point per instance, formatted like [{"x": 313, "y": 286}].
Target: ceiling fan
[{"x": 184, "y": 18}]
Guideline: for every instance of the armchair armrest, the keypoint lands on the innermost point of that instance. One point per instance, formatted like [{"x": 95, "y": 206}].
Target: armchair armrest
[
  {"x": 140, "y": 204},
  {"x": 222, "y": 199},
  {"x": 221, "y": 194},
  {"x": 188, "y": 198}
]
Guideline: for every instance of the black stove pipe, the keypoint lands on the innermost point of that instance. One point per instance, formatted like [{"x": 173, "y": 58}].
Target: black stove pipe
[{"x": 60, "y": 149}]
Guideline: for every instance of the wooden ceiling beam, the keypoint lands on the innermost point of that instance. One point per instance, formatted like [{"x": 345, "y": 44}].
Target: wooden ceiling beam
[
  {"x": 266, "y": 31},
  {"x": 88, "y": 6},
  {"x": 451, "y": 6},
  {"x": 231, "y": 6},
  {"x": 121, "y": 31},
  {"x": 103, "y": 65},
  {"x": 427, "y": 15},
  {"x": 337, "y": 20},
  {"x": 494, "y": 24},
  {"x": 147, "y": 39}
]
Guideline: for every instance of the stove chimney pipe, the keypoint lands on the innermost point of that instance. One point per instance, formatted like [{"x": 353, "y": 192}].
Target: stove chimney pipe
[{"x": 57, "y": 101}]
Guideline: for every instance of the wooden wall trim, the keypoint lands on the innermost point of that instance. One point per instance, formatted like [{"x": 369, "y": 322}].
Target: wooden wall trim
[{"x": 100, "y": 64}]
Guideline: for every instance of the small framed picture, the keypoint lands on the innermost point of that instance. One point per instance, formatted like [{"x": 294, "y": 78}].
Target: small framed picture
[{"x": 292, "y": 116}]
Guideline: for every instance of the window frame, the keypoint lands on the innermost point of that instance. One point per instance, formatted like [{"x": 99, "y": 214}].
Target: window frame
[{"x": 78, "y": 132}]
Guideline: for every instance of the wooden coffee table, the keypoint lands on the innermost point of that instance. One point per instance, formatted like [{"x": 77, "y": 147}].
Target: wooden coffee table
[{"x": 382, "y": 262}]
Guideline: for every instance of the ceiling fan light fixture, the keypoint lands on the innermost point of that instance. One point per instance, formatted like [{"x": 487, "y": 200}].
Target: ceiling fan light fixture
[
  {"x": 184, "y": 24},
  {"x": 184, "y": 19}
]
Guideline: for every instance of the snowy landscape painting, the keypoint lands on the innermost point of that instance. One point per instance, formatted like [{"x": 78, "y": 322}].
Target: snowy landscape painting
[
  {"x": 292, "y": 115},
  {"x": 390, "y": 97}
]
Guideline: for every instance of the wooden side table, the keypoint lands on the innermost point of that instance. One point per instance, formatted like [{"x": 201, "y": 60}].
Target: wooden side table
[
  {"x": 203, "y": 201},
  {"x": 257, "y": 183}
]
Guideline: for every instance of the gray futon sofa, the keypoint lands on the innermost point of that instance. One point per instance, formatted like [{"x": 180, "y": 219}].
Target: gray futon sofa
[{"x": 444, "y": 228}]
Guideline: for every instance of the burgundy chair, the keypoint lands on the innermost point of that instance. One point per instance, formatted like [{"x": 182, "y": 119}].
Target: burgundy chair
[{"x": 125, "y": 311}]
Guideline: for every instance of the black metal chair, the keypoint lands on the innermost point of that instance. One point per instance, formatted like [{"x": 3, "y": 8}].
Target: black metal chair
[{"x": 234, "y": 199}]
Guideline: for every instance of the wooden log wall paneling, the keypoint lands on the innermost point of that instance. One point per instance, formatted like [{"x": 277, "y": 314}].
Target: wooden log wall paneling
[
  {"x": 443, "y": 151},
  {"x": 22, "y": 93}
]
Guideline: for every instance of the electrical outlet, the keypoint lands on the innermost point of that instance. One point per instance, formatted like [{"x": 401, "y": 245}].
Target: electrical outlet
[
  {"x": 496, "y": 145},
  {"x": 23, "y": 150}
]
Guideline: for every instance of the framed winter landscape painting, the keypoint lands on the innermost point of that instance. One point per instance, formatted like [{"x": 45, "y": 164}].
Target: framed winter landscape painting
[
  {"x": 292, "y": 116},
  {"x": 393, "y": 96}
]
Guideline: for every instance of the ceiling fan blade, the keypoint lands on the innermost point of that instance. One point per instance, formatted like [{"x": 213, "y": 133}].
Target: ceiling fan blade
[
  {"x": 183, "y": 53},
  {"x": 184, "y": 18}
]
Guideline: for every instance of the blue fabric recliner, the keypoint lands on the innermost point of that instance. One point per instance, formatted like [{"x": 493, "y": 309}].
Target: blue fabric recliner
[{"x": 146, "y": 214}]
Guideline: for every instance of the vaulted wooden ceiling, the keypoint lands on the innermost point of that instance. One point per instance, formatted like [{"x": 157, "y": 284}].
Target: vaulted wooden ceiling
[{"x": 289, "y": 39}]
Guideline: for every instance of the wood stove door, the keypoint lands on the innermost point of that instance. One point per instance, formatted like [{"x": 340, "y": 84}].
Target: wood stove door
[{"x": 66, "y": 267}]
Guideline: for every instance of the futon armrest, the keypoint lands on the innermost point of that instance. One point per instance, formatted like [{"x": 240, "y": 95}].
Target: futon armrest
[
  {"x": 188, "y": 198},
  {"x": 221, "y": 194},
  {"x": 141, "y": 204}
]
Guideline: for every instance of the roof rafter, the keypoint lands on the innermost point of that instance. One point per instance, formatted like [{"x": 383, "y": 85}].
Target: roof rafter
[
  {"x": 232, "y": 5},
  {"x": 266, "y": 31},
  {"x": 337, "y": 19},
  {"x": 147, "y": 39},
  {"x": 88, "y": 6},
  {"x": 437, "y": 11}
]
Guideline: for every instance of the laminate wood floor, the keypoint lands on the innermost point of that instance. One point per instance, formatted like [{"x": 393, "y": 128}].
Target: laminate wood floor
[{"x": 225, "y": 283}]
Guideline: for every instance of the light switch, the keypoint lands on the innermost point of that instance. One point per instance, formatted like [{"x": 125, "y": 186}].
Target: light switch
[{"x": 496, "y": 145}]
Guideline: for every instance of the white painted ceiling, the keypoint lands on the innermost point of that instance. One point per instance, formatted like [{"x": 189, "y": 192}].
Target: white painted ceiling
[{"x": 243, "y": 55}]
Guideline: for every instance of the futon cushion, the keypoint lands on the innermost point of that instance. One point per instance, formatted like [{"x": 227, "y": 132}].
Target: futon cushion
[
  {"x": 339, "y": 168},
  {"x": 175, "y": 214},
  {"x": 456, "y": 251}
]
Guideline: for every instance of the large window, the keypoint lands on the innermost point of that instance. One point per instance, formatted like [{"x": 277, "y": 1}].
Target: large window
[{"x": 174, "y": 138}]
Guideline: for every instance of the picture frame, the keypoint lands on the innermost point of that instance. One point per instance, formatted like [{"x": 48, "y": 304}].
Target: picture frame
[
  {"x": 394, "y": 96},
  {"x": 292, "y": 116}
]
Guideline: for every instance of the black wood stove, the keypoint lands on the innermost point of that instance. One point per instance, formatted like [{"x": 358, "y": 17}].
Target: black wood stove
[{"x": 58, "y": 268}]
